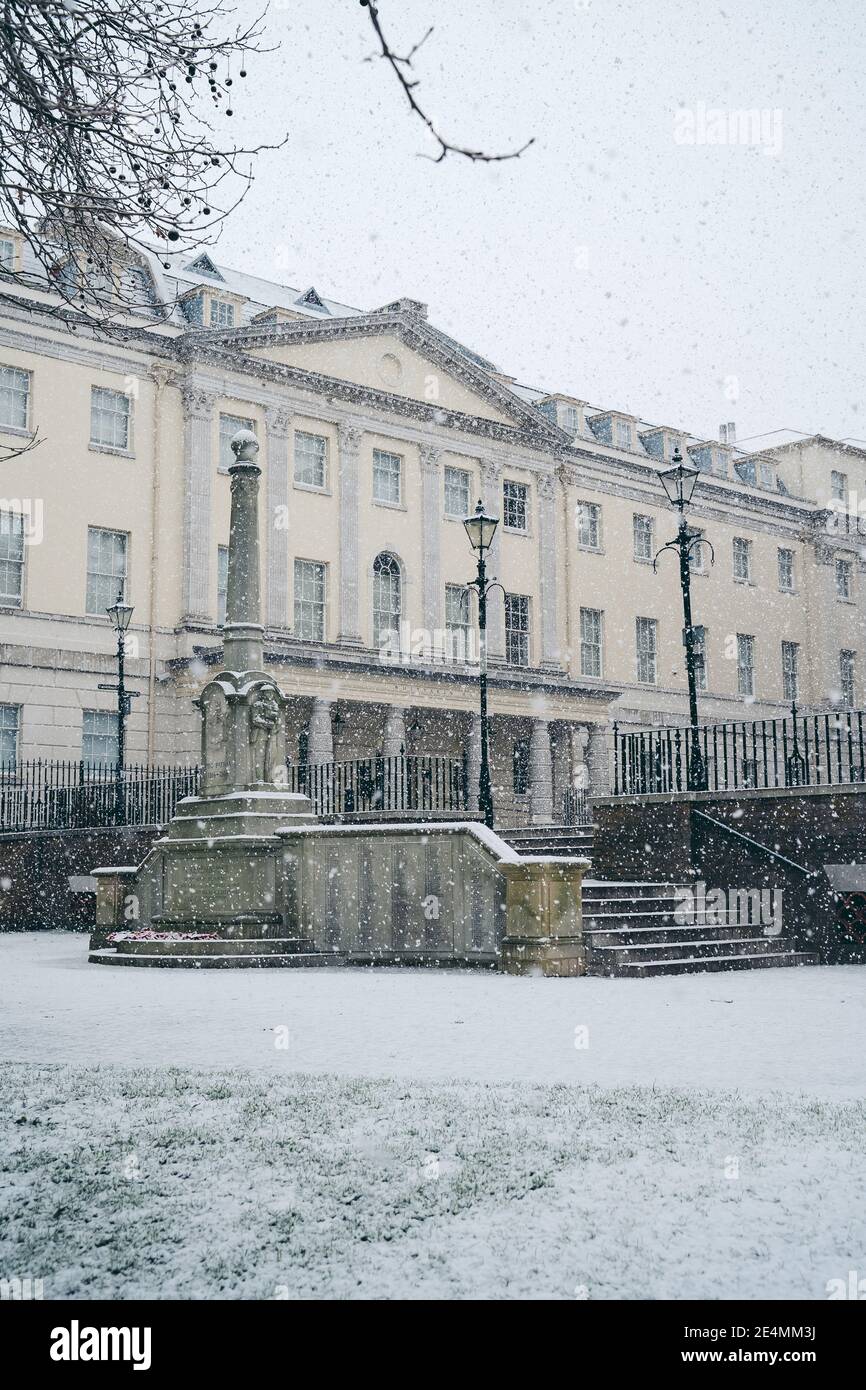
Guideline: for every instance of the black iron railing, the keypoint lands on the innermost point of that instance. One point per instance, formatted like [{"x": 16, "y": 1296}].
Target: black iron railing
[
  {"x": 382, "y": 786},
  {"x": 800, "y": 750},
  {"x": 576, "y": 807},
  {"x": 52, "y": 794}
]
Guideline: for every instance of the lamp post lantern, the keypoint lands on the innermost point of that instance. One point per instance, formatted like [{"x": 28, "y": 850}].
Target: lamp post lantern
[
  {"x": 120, "y": 614},
  {"x": 481, "y": 529},
  {"x": 679, "y": 484}
]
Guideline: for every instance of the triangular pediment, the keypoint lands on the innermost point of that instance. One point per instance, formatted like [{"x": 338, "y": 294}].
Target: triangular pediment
[{"x": 394, "y": 354}]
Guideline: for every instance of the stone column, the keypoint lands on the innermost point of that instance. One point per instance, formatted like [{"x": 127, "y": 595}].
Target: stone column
[
  {"x": 431, "y": 532},
  {"x": 349, "y": 629},
  {"x": 198, "y": 407},
  {"x": 394, "y": 736},
  {"x": 491, "y": 478},
  {"x": 540, "y": 774},
  {"x": 547, "y": 549},
  {"x": 243, "y": 631},
  {"x": 320, "y": 736},
  {"x": 277, "y": 421},
  {"x": 473, "y": 762}
]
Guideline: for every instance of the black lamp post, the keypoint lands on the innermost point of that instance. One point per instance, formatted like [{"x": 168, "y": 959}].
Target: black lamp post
[
  {"x": 679, "y": 484},
  {"x": 120, "y": 614},
  {"x": 481, "y": 529}
]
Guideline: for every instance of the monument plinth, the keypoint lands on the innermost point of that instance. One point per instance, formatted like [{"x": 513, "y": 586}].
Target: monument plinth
[{"x": 215, "y": 867}]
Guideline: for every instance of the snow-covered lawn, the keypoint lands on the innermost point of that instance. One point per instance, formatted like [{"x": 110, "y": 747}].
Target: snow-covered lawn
[
  {"x": 182, "y": 1184},
  {"x": 427, "y": 1134},
  {"x": 794, "y": 1029}
]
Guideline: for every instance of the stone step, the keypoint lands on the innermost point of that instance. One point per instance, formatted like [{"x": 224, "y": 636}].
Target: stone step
[
  {"x": 223, "y": 946},
  {"x": 694, "y": 965},
  {"x": 655, "y": 951},
  {"x": 290, "y": 960},
  {"x": 661, "y": 936}
]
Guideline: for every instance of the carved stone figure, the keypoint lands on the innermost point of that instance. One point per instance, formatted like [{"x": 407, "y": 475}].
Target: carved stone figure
[{"x": 264, "y": 716}]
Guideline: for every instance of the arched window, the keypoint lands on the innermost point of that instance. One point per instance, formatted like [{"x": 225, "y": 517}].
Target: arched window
[{"x": 387, "y": 601}]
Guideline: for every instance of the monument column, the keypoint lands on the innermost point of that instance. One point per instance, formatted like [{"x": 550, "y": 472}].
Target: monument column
[
  {"x": 349, "y": 630},
  {"x": 243, "y": 632},
  {"x": 277, "y": 422},
  {"x": 198, "y": 405},
  {"x": 431, "y": 531}
]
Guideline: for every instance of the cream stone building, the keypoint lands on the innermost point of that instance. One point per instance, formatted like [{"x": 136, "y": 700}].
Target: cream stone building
[{"x": 378, "y": 433}]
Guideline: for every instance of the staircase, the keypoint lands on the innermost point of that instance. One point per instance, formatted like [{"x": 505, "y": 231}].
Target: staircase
[
  {"x": 632, "y": 933},
  {"x": 567, "y": 840}
]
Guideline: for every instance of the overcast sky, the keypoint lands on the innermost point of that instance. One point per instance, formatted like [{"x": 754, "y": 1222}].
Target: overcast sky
[{"x": 611, "y": 261}]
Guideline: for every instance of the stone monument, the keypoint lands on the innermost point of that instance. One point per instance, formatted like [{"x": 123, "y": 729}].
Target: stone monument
[{"x": 215, "y": 868}]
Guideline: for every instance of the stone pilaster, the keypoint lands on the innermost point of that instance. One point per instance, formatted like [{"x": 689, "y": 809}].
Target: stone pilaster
[
  {"x": 394, "y": 735},
  {"x": 198, "y": 405},
  {"x": 431, "y": 531},
  {"x": 547, "y": 551},
  {"x": 349, "y": 628},
  {"x": 540, "y": 773},
  {"x": 491, "y": 479},
  {"x": 277, "y": 422},
  {"x": 320, "y": 736}
]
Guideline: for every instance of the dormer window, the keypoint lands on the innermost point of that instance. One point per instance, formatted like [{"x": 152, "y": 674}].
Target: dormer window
[
  {"x": 623, "y": 434},
  {"x": 570, "y": 418},
  {"x": 222, "y": 313},
  {"x": 8, "y": 251},
  {"x": 312, "y": 300},
  {"x": 203, "y": 265}
]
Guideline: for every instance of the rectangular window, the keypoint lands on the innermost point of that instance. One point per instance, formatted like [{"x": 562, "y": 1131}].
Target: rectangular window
[
  {"x": 222, "y": 583},
  {"x": 14, "y": 398},
  {"x": 106, "y": 568},
  {"x": 222, "y": 314},
  {"x": 11, "y": 559},
  {"x": 591, "y": 642},
  {"x": 456, "y": 492},
  {"x": 570, "y": 419},
  {"x": 109, "y": 418},
  {"x": 843, "y": 579},
  {"x": 642, "y": 530},
  {"x": 646, "y": 642},
  {"x": 742, "y": 559},
  {"x": 387, "y": 478},
  {"x": 514, "y": 506},
  {"x": 457, "y": 622},
  {"x": 589, "y": 525},
  {"x": 745, "y": 664},
  {"x": 517, "y": 629},
  {"x": 520, "y": 766},
  {"x": 791, "y": 670},
  {"x": 310, "y": 600},
  {"x": 99, "y": 742},
  {"x": 10, "y": 720},
  {"x": 623, "y": 434},
  {"x": 838, "y": 486},
  {"x": 229, "y": 426},
  {"x": 786, "y": 571},
  {"x": 699, "y": 650},
  {"x": 846, "y": 677},
  {"x": 7, "y": 253},
  {"x": 311, "y": 459}
]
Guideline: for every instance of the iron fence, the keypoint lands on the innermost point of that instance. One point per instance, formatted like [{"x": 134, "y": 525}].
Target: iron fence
[
  {"x": 799, "y": 750},
  {"x": 380, "y": 785},
  {"x": 52, "y": 794},
  {"x": 576, "y": 807}
]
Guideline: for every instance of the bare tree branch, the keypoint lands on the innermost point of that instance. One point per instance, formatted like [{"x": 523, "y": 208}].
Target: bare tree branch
[
  {"x": 106, "y": 148},
  {"x": 397, "y": 64}
]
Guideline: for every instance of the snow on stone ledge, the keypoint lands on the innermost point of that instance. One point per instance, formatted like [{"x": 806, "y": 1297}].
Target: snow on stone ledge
[{"x": 491, "y": 841}]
